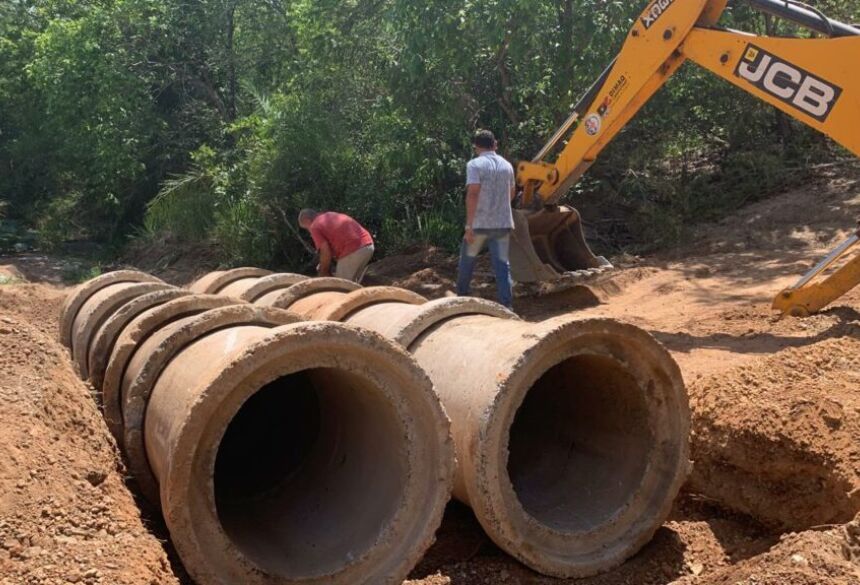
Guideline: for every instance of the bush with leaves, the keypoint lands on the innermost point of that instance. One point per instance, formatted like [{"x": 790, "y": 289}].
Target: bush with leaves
[{"x": 217, "y": 120}]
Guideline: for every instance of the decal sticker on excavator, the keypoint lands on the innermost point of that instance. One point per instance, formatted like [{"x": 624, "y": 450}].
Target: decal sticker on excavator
[
  {"x": 593, "y": 124},
  {"x": 789, "y": 83},
  {"x": 619, "y": 87},
  {"x": 617, "y": 90},
  {"x": 655, "y": 11}
]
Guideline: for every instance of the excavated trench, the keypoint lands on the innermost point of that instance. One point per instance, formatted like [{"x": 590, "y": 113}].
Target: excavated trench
[{"x": 565, "y": 391}]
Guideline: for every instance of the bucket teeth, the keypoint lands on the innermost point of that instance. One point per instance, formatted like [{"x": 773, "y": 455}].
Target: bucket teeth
[{"x": 550, "y": 244}]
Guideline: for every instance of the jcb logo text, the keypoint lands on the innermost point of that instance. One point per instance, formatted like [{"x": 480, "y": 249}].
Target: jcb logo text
[{"x": 788, "y": 83}]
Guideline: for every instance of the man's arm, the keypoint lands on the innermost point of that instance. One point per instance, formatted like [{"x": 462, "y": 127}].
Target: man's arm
[
  {"x": 473, "y": 194},
  {"x": 324, "y": 268}
]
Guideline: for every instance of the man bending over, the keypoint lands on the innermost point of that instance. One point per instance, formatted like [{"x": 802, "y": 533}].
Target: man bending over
[{"x": 339, "y": 239}]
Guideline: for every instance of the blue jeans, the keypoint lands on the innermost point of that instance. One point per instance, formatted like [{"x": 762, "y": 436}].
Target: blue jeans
[{"x": 499, "y": 242}]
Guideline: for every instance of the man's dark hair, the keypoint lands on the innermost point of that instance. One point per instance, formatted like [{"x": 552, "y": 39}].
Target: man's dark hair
[
  {"x": 484, "y": 139},
  {"x": 307, "y": 214}
]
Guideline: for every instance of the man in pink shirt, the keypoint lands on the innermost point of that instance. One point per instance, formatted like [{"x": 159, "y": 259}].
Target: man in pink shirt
[{"x": 341, "y": 239}]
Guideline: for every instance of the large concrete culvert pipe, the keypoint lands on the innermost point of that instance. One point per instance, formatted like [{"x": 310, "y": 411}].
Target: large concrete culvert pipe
[
  {"x": 97, "y": 310},
  {"x": 326, "y": 299},
  {"x": 308, "y": 454},
  {"x": 215, "y": 282},
  {"x": 82, "y": 293},
  {"x": 152, "y": 356},
  {"x": 107, "y": 335},
  {"x": 285, "y": 296},
  {"x": 133, "y": 336},
  {"x": 572, "y": 435},
  {"x": 251, "y": 289}
]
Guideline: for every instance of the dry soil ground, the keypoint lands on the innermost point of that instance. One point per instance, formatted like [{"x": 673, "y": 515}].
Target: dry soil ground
[{"x": 775, "y": 491}]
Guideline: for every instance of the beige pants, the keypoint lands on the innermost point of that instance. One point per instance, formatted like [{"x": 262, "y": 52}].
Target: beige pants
[{"x": 354, "y": 266}]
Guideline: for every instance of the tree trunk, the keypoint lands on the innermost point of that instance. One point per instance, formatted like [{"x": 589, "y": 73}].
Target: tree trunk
[{"x": 231, "y": 63}]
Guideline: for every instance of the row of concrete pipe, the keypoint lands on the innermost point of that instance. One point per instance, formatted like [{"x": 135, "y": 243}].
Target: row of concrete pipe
[{"x": 309, "y": 431}]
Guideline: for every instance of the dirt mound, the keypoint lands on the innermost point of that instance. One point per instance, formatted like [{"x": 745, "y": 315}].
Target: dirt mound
[
  {"x": 810, "y": 558},
  {"x": 428, "y": 271},
  {"x": 779, "y": 438},
  {"x": 174, "y": 262},
  {"x": 700, "y": 545},
  {"x": 36, "y": 305},
  {"x": 392, "y": 268},
  {"x": 65, "y": 514},
  {"x": 813, "y": 216}
]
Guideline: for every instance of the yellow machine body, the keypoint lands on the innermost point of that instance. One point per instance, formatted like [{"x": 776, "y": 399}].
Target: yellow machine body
[{"x": 813, "y": 80}]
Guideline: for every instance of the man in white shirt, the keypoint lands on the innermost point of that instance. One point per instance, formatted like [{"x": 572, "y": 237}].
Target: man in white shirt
[{"x": 490, "y": 188}]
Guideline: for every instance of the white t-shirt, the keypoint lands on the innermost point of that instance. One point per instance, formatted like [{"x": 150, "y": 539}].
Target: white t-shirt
[{"x": 496, "y": 177}]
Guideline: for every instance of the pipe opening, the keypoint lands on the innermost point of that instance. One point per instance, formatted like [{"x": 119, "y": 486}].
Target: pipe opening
[
  {"x": 580, "y": 443},
  {"x": 310, "y": 472}
]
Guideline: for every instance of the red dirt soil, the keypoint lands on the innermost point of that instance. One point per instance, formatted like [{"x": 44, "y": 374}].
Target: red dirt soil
[{"x": 65, "y": 514}]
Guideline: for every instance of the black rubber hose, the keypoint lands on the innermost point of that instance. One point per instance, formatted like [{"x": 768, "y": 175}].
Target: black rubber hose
[{"x": 806, "y": 16}]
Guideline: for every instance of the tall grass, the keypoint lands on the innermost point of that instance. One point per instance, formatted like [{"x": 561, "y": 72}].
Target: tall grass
[
  {"x": 441, "y": 225},
  {"x": 185, "y": 207}
]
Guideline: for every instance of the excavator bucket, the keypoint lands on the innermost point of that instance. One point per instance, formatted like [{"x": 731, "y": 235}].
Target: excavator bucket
[{"x": 550, "y": 244}]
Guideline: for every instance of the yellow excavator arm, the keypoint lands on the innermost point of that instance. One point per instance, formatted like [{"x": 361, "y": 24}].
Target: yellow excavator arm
[
  {"x": 813, "y": 80},
  {"x": 811, "y": 293}
]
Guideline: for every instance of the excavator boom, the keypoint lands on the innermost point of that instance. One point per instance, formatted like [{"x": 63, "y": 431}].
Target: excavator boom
[{"x": 812, "y": 80}]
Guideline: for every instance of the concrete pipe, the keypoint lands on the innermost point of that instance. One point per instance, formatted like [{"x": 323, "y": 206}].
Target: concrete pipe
[
  {"x": 284, "y": 298},
  {"x": 98, "y": 309},
  {"x": 152, "y": 356},
  {"x": 79, "y": 296},
  {"x": 136, "y": 333},
  {"x": 250, "y": 289},
  {"x": 404, "y": 323},
  {"x": 105, "y": 339},
  {"x": 572, "y": 435},
  {"x": 308, "y": 454},
  {"x": 215, "y": 282},
  {"x": 338, "y": 305}
]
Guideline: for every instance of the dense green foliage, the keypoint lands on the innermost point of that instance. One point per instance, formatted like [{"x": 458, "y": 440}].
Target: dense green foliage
[{"x": 219, "y": 119}]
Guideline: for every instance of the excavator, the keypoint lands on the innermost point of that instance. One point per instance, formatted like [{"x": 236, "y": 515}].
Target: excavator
[{"x": 815, "y": 80}]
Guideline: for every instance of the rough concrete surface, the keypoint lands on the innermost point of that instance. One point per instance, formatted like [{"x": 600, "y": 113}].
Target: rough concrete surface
[
  {"x": 351, "y": 468},
  {"x": 105, "y": 338},
  {"x": 130, "y": 338},
  {"x": 215, "y": 282}
]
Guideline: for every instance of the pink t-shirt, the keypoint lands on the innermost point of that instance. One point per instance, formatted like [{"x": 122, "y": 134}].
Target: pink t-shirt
[{"x": 343, "y": 234}]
